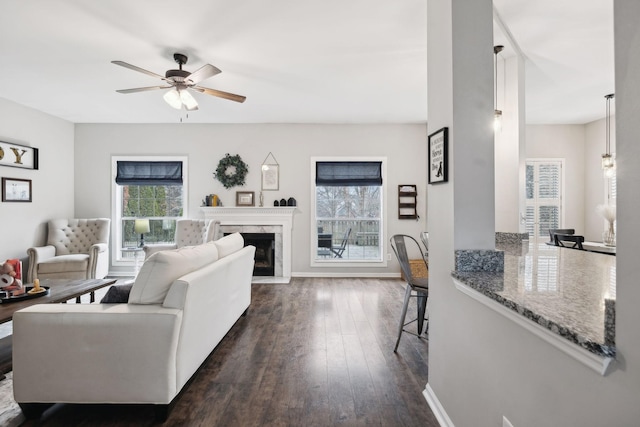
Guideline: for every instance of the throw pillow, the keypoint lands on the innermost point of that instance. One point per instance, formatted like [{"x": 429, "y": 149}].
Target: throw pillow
[
  {"x": 161, "y": 269},
  {"x": 229, "y": 244},
  {"x": 117, "y": 294}
]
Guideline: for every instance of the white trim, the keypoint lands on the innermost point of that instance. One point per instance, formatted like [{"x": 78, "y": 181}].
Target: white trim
[
  {"x": 597, "y": 363},
  {"x": 313, "y": 250},
  {"x": 347, "y": 275},
  {"x": 436, "y": 407}
]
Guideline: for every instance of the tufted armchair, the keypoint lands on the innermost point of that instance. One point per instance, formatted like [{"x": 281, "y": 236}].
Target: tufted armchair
[
  {"x": 76, "y": 249},
  {"x": 189, "y": 232}
]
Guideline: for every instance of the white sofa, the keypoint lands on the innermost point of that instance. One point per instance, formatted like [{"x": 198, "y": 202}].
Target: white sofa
[{"x": 182, "y": 303}]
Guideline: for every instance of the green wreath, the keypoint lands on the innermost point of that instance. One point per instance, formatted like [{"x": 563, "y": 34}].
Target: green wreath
[{"x": 231, "y": 171}]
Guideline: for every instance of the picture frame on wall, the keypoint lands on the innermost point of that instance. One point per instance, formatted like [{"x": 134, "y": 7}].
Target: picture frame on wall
[
  {"x": 245, "y": 198},
  {"x": 16, "y": 190},
  {"x": 270, "y": 177},
  {"x": 18, "y": 156},
  {"x": 438, "y": 156}
]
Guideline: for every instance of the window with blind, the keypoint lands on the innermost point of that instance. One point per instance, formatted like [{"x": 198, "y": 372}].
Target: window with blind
[
  {"x": 149, "y": 188},
  {"x": 543, "y": 197},
  {"x": 348, "y": 211}
]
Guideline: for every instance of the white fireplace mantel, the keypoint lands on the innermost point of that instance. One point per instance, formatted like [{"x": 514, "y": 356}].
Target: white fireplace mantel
[{"x": 282, "y": 216}]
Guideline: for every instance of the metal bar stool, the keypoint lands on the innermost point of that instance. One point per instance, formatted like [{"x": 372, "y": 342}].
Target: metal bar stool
[{"x": 417, "y": 287}]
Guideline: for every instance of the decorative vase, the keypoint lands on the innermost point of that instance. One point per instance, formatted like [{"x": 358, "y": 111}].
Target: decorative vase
[{"x": 609, "y": 236}]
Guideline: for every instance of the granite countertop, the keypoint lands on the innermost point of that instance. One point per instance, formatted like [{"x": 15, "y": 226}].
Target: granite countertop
[{"x": 561, "y": 289}]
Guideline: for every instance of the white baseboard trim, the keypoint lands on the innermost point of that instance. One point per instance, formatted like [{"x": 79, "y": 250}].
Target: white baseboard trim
[
  {"x": 347, "y": 275},
  {"x": 436, "y": 407}
]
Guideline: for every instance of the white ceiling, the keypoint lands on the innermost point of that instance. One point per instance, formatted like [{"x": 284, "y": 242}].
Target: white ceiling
[{"x": 329, "y": 61}]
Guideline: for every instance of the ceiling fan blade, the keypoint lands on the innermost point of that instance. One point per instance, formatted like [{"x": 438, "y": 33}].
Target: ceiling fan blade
[
  {"x": 203, "y": 73},
  {"x": 142, "y": 89},
  {"x": 141, "y": 70},
  {"x": 220, "y": 94}
]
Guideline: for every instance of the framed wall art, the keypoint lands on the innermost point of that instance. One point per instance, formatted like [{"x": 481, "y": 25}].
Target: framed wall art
[
  {"x": 270, "y": 174},
  {"x": 245, "y": 198},
  {"x": 18, "y": 156},
  {"x": 16, "y": 190},
  {"x": 438, "y": 156}
]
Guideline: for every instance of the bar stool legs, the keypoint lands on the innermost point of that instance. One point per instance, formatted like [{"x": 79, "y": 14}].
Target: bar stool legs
[{"x": 422, "y": 309}]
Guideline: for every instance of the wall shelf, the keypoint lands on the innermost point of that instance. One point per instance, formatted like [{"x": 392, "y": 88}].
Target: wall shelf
[{"x": 407, "y": 202}]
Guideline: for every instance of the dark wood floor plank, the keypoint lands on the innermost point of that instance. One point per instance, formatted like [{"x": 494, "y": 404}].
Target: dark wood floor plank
[{"x": 316, "y": 352}]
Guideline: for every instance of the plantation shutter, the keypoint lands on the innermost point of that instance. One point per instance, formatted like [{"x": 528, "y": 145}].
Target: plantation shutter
[
  {"x": 543, "y": 197},
  {"x": 149, "y": 173}
]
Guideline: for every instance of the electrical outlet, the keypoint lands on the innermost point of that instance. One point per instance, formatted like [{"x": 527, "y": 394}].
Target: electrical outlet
[
  {"x": 388, "y": 257},
  {"x": 506, "y": 422}
]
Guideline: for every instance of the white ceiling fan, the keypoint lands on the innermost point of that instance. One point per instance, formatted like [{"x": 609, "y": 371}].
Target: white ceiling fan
[{"x": 180, "y": 82}]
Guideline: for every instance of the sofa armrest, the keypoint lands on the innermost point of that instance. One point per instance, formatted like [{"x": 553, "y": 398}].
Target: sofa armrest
[
  {"x": 118, "y": 353},
  {"x": 38, "y": 254},
  {"x": 152, "y": 249}
]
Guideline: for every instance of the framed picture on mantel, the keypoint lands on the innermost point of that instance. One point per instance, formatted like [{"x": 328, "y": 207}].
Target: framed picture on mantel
[{"x": 438, "y": 156}]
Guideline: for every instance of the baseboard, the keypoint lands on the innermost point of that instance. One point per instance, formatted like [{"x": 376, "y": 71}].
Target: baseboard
[
  {"x": 436, "y": 407},
  {"x": 353, "y": 275}
]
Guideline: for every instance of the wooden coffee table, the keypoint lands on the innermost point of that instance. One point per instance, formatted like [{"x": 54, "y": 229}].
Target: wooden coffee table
[{"x": 60, "y": 291}]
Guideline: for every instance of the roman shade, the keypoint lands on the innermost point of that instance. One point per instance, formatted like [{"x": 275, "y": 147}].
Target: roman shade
[
  {"x": 149, "y": 173},
  {"x": 339, "y": 174}
]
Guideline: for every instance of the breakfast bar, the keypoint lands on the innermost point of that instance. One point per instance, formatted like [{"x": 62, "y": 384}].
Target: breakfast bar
[{"x": 565, "y": 296}]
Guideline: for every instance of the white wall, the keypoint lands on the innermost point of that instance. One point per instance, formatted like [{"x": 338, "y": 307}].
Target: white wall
[
  {"x": 52, "y": 184},
  {"x": 483, "y": 365},
  {"x": 292, "y": 145},
  {"x": 563, "y": 142}
]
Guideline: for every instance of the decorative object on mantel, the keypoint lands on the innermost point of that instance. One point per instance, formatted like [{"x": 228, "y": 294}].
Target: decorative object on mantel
[
  {"x": 608, "y": 212},
  {"x": 231, "y": 171},
  {"x": 283, "y": 202},
  {"x": 438, "y": 156},
  {"x": 16, "y": 190},
  {"x": 291, "y": 202},
  {"x": 211, "y": 200},
  {"x": 270, "y": 174},
  {"x": 276, "y": 203},
  {"x": 18, "y": 156},
  {"x": 608, "y": 162},
  {"x": 245, "y": 198}
]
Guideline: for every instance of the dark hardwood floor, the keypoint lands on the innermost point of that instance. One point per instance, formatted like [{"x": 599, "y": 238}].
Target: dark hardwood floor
[{"x": 316, "y": 352}]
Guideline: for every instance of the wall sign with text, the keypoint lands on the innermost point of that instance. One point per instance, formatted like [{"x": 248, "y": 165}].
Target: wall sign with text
[
  {"x": 18, "y": 156},
  {"x": 438, "y": 156}
]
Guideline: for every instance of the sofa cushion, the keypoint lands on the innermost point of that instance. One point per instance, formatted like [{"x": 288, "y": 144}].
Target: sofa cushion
[
  {"x": 64, "y": 263},
  {"x": 117, "y": 294},
  {"x": 161, "y": 269},
  {"x": 229, "y": 244}
]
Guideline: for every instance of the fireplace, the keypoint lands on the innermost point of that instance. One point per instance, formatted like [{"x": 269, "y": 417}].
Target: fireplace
[
  {"x": 277, "y": 221},
  {"x": 265, "y": 252}
]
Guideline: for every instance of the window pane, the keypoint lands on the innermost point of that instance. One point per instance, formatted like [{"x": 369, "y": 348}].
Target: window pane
[
  {"x": 530, "y": 183},
  {"x": 162, "y": 204},
  {"x": 348, "y": 223}
]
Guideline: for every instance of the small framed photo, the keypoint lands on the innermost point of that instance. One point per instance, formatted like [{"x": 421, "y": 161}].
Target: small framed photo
[
  {"x": 270, "y": 177},
  {"x": 245, "y": 198},
  {"x": 438, "y": 157},
  {"x": 16, "y": 190}
]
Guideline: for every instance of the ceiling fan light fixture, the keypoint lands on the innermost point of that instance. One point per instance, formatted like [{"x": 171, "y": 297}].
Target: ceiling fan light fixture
[
  {"x": 188, "y": 100},
  {"x": 172, "y": 98}
]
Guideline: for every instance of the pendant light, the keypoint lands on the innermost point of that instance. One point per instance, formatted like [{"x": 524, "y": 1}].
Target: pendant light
[
  {"x": 608, "y": 162},
  {"x": 497, "y": 114}
]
